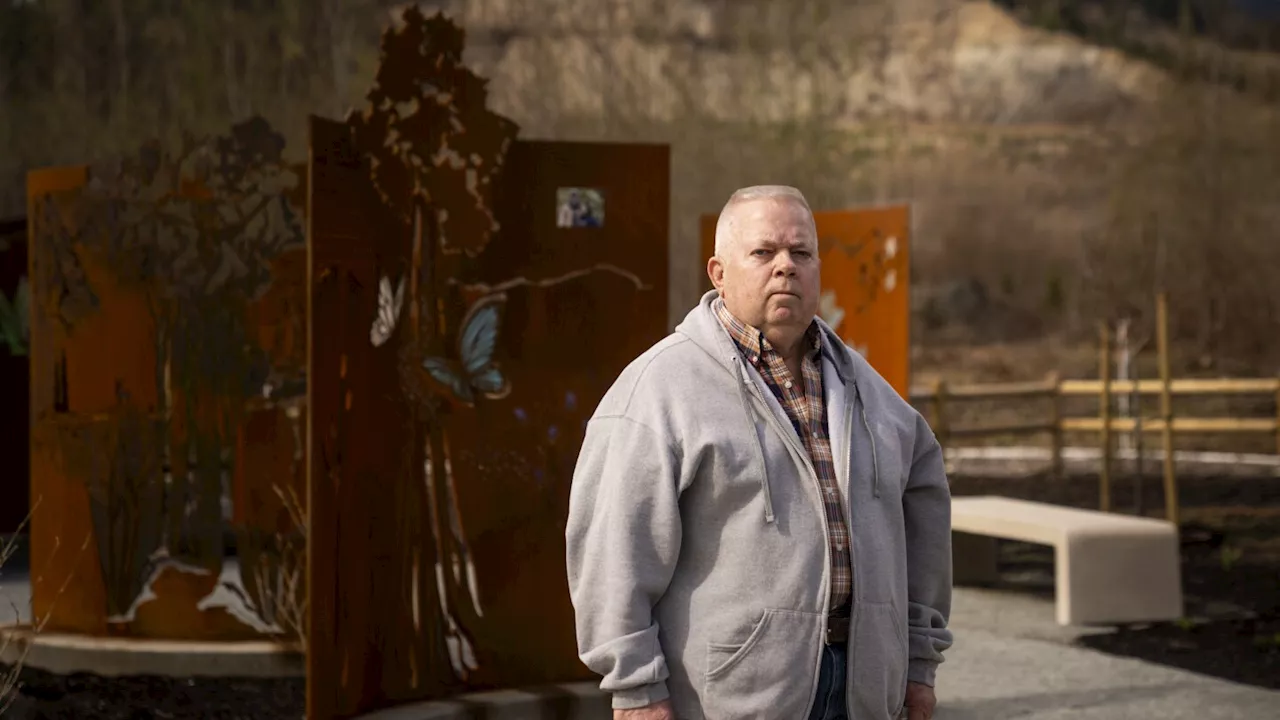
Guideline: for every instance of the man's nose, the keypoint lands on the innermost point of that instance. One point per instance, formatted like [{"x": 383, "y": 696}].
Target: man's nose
[{"x": 783, "y": 264}]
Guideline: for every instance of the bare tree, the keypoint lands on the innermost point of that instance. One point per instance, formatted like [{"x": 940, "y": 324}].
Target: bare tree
[{"x": 1193, "y": 213}]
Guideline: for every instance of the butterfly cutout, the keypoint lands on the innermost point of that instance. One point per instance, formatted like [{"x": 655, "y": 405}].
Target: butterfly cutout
[
  {"x": 389, "y": 304},
  {"x": 474, "y": 371}
]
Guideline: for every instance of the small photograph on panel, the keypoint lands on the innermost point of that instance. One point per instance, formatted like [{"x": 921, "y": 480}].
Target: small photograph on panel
[{"x": 579, "y": 207}]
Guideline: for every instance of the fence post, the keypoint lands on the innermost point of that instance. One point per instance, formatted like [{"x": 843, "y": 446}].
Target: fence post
[
  {"x": 1276, "y": 470},
  {"x": 1055, "y": 380},
  {"x": 1139, "y": 447},
  {"x": 1104, "y": 414},
  {"x": 1166, "y": 410}
]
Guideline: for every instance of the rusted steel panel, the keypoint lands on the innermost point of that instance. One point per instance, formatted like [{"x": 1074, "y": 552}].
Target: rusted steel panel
[
  {"x": 867, "y": 256},
  {"x": 577, "y": 305},
  {"x": 453, "y": 366},
  {"x": 63, "y": 554},
  {"x": 349, "y": 462},
  {"x": 581, "y": 303},
  {"x": 158, "y": 331}
]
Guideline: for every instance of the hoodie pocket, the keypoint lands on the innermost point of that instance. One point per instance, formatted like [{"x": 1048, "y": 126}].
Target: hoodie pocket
[
  {"x": 879, "y": 662},
  {"x": 769, "y": 675}
]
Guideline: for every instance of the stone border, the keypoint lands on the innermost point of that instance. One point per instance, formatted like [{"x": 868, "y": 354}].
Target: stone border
[
  {"x": 65, "y": 653},
  {"x": 568, "y": 701}
]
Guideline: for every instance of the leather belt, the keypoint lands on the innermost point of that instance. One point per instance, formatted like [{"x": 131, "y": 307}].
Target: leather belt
[{"x": 837, "y": 629}]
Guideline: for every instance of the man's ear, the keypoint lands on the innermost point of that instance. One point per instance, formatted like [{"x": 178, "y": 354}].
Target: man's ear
[{"x": 715, "y": 271}]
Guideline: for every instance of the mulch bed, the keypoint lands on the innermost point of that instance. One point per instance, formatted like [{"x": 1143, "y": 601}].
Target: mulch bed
[
  {"x": 1230, "y": 571},
  {"x": 45, "y": 696}
]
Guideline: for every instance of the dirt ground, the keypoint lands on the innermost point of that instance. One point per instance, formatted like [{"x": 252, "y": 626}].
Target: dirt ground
[{"x": 45, "y": 696}]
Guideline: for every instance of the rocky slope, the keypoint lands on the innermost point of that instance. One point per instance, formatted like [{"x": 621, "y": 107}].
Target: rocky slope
[{"x": 935, "y": 61}]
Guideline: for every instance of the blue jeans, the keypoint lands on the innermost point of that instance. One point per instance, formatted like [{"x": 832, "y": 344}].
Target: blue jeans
[{"x": 831, "y": 702}]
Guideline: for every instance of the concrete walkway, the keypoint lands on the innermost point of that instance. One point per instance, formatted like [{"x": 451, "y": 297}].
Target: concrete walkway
[{"x": 1012, "y": 661}]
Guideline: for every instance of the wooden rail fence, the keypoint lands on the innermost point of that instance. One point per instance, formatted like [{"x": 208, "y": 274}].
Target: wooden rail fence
[
  {"x": 1105, "y": 424},
  {"x": 940, "y": 398}
]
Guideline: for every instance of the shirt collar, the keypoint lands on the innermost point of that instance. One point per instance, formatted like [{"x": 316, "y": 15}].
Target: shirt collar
[{"x": 752, "y": 340}]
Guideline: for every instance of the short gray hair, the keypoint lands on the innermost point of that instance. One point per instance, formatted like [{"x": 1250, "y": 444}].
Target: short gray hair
[{"x": 726, "y": 224}]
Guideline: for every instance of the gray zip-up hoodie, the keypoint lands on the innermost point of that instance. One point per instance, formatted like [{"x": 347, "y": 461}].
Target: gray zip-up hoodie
[{"x": 697, "y": 555}]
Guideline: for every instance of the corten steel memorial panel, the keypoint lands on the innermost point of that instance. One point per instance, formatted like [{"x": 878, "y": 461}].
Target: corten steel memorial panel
[
  {"x": 460, "y": 341},
  {"x": 866, "y": 277},
  {"x": 168, "y": 294}
]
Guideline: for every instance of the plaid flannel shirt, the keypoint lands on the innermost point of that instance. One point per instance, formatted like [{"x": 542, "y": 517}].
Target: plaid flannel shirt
[{"x": 805, "y": 405}]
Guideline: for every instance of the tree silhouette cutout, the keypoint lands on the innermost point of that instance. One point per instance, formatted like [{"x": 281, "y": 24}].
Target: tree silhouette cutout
[
  {"x": 435, "y": 152},
  {"x": 433, "y": 141}
]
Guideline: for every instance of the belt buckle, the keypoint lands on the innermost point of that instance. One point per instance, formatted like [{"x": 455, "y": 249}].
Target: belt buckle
[{"x": 834, "y": 626}]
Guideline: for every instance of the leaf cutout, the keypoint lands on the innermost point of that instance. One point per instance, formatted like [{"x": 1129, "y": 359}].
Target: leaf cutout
[{"x": 430, "y": 133}]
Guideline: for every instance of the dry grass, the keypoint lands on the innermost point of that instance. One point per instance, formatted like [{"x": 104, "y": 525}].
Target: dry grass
[
  {"x": 285, "y": 589},
  {"x": 9, "y": 675},
  {"x": 274, "y": 573},
  {"x": 1003, "y": 362}
]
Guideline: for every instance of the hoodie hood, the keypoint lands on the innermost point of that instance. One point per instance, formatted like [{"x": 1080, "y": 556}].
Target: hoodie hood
[{"x": 704, "y": 329}]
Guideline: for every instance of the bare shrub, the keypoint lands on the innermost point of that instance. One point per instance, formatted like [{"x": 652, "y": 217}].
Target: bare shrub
[
  {"x": 1193, "y": 213},
  {"x": 9, "y": 675},
  {"x": 16, "y": 643},
  {"x": 273, "y": 571},
  {"x": 284, "y": 586}
]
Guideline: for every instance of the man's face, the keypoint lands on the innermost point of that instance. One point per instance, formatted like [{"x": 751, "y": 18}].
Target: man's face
[{"x": 769, "y": 274}]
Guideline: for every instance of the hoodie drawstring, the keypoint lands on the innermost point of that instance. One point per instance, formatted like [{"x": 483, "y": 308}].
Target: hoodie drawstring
[{"x": 755, "y": 438}]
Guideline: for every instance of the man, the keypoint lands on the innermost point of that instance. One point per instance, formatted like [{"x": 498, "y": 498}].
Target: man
[{"x": 759, "y": 525}]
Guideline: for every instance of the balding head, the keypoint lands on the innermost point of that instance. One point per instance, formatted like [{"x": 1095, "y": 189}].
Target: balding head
[
  {"x": 727, "y": 224},
  {"x": 766, "y": 265}
]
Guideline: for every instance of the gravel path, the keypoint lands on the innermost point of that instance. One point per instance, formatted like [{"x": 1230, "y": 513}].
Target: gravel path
[{"x": 1012, "y": 661}]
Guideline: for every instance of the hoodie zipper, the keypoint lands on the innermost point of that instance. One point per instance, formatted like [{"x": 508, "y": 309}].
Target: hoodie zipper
[
  {"x": 826, "y": 535},
  {"x": 854, "y": 608}
]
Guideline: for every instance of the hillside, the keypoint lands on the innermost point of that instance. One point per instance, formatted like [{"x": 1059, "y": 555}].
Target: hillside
[
  {"x": 1227, "y": 42},
  {"x": 936, "y": 62},
  {"x": 1045, "y": 161}
]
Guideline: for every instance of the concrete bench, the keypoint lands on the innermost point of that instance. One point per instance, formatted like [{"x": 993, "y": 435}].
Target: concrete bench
[{"x": 1108, "y": 569}]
